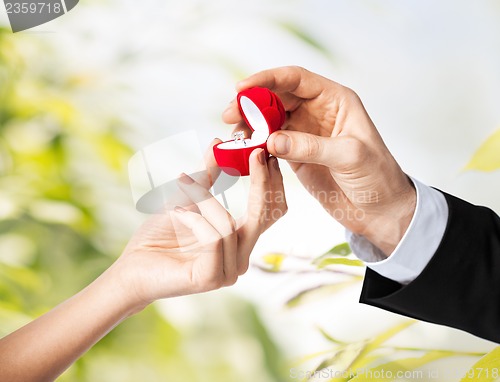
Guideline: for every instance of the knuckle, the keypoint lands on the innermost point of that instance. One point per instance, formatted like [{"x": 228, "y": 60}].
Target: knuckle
[
  {"x": 214, "y": 281},
  {"x": 354, "y": 152},
  {"x": 284, "y": 209},
  {"x": 356, "y": 148},
  {"x": 350, "y": 96},
  {"x": 295, "y": 69},
  {"x": 277, "y": 214},
  {"x": 231, "y": 279},
  {"x": 312, "y": 147},
  {"x": 242, "y": 267},
  {"x": 209, "y": 280},
  {"x": 293, "y": 75}
]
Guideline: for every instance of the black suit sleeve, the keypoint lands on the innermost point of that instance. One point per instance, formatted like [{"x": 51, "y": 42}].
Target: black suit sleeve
[{"x": 460, "y": 286}]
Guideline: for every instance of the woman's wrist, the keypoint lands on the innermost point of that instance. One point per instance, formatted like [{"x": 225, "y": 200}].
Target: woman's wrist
[{"x": 117, "y": 282}]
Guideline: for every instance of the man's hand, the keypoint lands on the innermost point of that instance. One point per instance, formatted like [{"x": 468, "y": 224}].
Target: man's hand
[{"x": 336, "y": 152}]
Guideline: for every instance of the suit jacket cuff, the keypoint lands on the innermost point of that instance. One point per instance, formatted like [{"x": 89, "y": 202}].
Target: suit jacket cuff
[{"x": 460, "y": 286}]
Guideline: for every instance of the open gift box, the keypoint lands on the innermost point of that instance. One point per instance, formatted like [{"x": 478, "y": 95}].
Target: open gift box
[{"x": 264, "y": 113}]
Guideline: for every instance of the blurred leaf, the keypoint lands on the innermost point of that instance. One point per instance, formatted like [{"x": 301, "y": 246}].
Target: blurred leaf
[
  {"x": 320, "y": 291},
  {"x": 230, "y": 65},
  {"x": 482, "y": 371},
  {"x": 342, "y": 249},
  {"x": 364, "y": 362},
  {"x": 344, "y": 357},
  {"x": 392, "y": 368},
  {"x": 332, "y": 257},
  {"x": 274, "y": 261},
  {"x": 309, "y": 357},
  {"x": 366, "y": 355},
  {"x": 487, "y": 157},
  {"x": 60, "y": 108},
  {"x": 328, "y": 337},
  {"x": 273, "y": 357},
  {"x": 340, "y": 261},
  {"x": 388, "y": 334},
  {"x": 21, "y": 277},
  {"x": 304, "y": 36},
  {"x": 114, "y": 152}
]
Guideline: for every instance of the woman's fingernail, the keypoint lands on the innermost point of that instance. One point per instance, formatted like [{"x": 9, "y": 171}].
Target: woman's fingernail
[
  {"x": 261, "y": 157},
  {"x": 179, "y": 209},
  {"x": 186, "y": 179},
  {"x": 282, "y": 144}
]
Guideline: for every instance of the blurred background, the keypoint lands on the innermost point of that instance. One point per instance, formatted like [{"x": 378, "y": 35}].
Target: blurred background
[{"x": 81, "y": 94}]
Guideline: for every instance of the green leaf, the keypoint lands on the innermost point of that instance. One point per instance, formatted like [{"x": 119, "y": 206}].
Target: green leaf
[
  {"x": 388, "y": 371},
  {"x": 318, "y": 292},
  {"x": 344, "y": 357},
  {"x": 333, "y": 254},
  {"x": 482, "y": 371},
  {"x": 388, "y": 334},
  {"x": 330, "y": 338},
  {"x": 376, "y": 342},
  {"x": 340, "y": 261},
  {"x": 340, "y": 250},
  {"x": 487, "y": 157},
  {"x": 312, "y": 356}
]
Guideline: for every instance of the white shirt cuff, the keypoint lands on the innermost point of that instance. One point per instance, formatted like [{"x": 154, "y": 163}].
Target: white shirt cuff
[{"x": 418, "y": 245}]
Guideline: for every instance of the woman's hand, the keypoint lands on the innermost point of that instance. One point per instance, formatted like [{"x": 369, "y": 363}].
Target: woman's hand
[
  {"x": 336, "y": 152},
  {"x": 195, "y": 248},
  {"x": 199, "y": 247}
]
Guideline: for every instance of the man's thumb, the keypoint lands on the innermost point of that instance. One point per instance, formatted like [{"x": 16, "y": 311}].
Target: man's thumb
[{"x": 301, "y": 147}]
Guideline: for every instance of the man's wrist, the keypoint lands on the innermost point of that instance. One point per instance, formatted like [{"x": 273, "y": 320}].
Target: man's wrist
[
  {"x": 386, "y": 229},
  {"x": 418, "y": 245}
]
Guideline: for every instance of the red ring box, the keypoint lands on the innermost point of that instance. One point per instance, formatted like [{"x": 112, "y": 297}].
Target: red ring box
[{"x": 264, "y": 113}]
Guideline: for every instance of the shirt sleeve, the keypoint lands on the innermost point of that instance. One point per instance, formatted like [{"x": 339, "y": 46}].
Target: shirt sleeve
[{"x": 427, "y": 225}]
